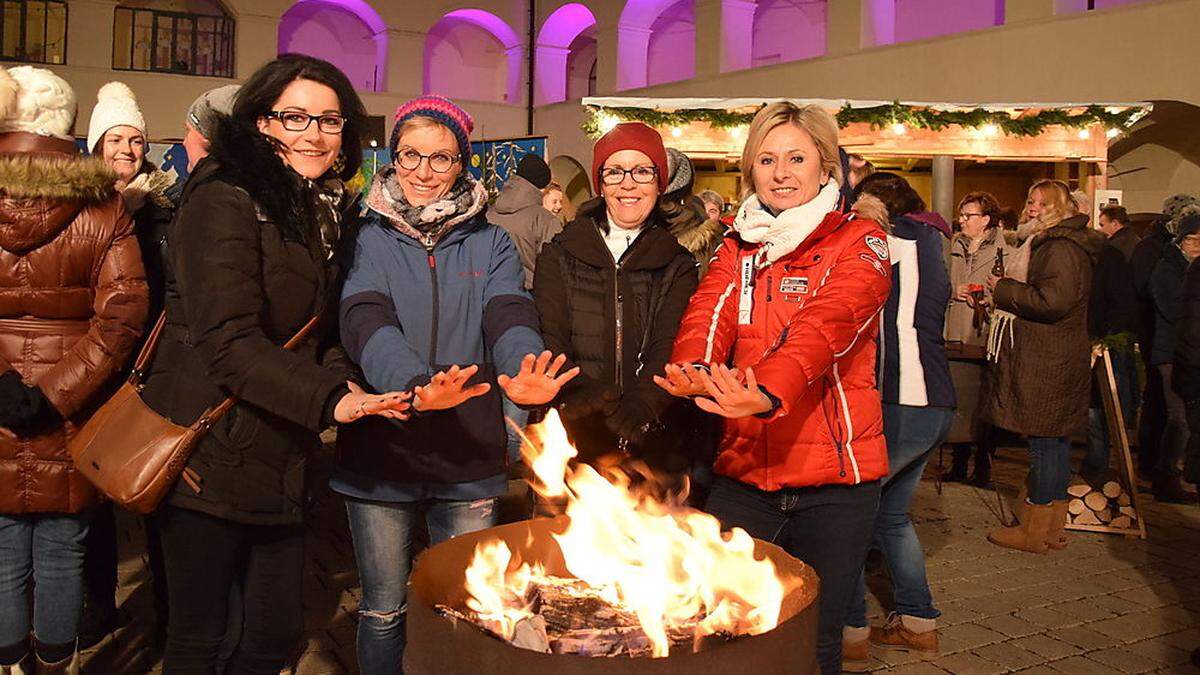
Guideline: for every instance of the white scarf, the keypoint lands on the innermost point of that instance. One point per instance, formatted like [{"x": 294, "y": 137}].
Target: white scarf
[{"x": 781, "y": 234}]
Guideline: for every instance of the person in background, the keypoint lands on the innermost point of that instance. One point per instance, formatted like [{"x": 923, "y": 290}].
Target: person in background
[
  {"x": 1039, "y": 377},
  {"x": 687, "y": 216},
  {"x": 434, "y": 302},
  {"x": 974, "y": 253},
  {"x": 1146, "y": 255},
  {"x": 553, "y": 198},
  {"x": 1083, "y": 203},
  {"x": 1185, "y": 369},
  {"x": 256, "y": 267},
  {"x": 918, "y": 408},
  {"x": 1166, "y": 286},
  {"x": 610, "y": 290},
  {"x": 792, "y": 301},
  {"x": 1112, "y": 320},
  {"x": 72, "y": 305},
  {"x": 859, "y": 168},
  {"x": 519, "y": 210},
  {"x": 201, "y": 122},
  {"x": 714, "y": 204}
]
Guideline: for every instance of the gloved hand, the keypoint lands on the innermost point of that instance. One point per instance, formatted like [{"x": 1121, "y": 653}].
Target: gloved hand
[
  {"x": 631, "y": 420},
  {"x": 24, "y": 409},
  {"x": 588, "y": 400}
]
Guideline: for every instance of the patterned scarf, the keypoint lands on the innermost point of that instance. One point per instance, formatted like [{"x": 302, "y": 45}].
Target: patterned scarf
[{"x": 427, "y": 224}]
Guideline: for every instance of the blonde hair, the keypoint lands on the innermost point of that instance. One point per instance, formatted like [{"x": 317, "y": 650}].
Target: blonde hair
[
  {"x": 551, "y": 187},
  {"x": 421, "y": 122},
  {"x": 813, "y": 119},
  {"x": 1057, "y": 196}
]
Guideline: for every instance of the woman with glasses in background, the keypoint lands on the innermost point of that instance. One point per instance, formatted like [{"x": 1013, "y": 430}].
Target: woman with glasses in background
[
  {"x": 610, "y": 290},
  {"x": 255, "y": 267}
]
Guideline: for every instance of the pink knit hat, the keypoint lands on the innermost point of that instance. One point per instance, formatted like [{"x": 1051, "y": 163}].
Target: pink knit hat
[
  {"x": 444, "y": 112},
  {"x": 631, "y": 136}
]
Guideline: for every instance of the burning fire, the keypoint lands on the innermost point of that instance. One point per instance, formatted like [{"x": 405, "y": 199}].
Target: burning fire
[{"x": 668, "y": 564}]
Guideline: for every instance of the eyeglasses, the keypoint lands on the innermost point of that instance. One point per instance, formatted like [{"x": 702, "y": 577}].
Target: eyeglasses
[
  {"x": 440, "y": 162},
  {"x": 963, "y": 217},
  {"x": 640, "y": 174},
  {"x": 296, "y": 120}
]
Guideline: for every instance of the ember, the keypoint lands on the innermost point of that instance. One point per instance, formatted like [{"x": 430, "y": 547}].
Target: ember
[{"x": 649, "y": 575}]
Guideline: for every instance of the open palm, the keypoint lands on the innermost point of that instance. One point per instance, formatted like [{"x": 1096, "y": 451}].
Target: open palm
[
  {"x": 538, "y": 381},
  {"x": 448, "y": 389},
  {"x": 729, "y": 397}
]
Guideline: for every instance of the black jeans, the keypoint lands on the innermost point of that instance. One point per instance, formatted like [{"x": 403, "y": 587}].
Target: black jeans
[
  {"x": 205, "y": 556},
  {"x": 829, "y": 527}
]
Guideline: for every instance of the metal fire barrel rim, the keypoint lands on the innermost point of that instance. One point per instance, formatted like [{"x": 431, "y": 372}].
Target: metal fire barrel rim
[{"x": 441, "y": 645}]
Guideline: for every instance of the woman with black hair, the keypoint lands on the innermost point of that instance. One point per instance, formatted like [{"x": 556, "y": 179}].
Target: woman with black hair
[{"x": 259, "y": 223}]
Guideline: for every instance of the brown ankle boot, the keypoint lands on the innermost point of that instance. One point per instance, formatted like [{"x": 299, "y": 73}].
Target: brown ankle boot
[
  {"x": 23, "y": 667},
  {"x": 1030, "y": 534},
  {"x": 894, "y": 635},
  {"x": 1055, "y": 538},
  {"x": 856, "y": 655},
  {"x": 1020, "y": 507}
]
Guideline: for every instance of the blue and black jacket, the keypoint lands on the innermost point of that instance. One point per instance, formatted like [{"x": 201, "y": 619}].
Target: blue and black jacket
[{"x": 409, "y": 311}]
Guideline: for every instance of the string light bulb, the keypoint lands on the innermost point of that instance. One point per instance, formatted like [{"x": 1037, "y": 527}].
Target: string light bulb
[
  {"x": 990, "y": 130},
  {"x": 608, "y": 122},
  {"x": 676, "y": 132},
  {"x": 899, "y": 129},
  {"x": 1084, "y": 134},
  {"x": 738, "y": 132},
  {"x": 1113, "y": 133}
]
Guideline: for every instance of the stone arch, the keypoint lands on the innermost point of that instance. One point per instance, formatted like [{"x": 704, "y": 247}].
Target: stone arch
[
  {"x": 787, "y": 30},
  {"x": 566, "y": 53},
  {"x": 473, "y": 54},
  {"x": 656, "y": 42},
  {"x": 577, "y": 185},
  {"x": 896, "y": 21},
  {"x": 347, "y": 33}
]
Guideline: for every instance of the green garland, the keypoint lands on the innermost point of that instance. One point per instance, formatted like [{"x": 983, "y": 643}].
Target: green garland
[{"x": 879, "y": 117}]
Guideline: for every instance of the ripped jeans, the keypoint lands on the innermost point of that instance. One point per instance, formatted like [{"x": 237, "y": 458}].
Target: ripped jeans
[{"x": 383, "y": 535}]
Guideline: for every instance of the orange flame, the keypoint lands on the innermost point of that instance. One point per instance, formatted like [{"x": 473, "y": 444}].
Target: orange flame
[{"x": 669, "y": 564}]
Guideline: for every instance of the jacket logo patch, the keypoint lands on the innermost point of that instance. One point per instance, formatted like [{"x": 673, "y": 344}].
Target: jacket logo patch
[
  {"x": 874, "y": 263},
  {"x": 793, "y": 286},
  {"x": 471, "y": 274},
  {"x": 878, "y": 245}
]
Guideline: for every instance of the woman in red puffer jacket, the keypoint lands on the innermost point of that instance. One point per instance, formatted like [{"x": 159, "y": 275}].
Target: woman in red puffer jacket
[{"x": 780, "y": 340}]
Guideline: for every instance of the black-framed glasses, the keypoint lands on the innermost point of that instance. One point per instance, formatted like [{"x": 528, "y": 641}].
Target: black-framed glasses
[
  {"x": 297, "y": 120},
  {"x": 963, "y": 217},
  {"x": 640, "y": 174},
  {"x": 441, "y": 162}
]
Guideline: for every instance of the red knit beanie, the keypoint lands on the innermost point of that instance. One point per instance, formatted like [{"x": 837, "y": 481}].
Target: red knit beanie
[{"x": 630, "y": 136}]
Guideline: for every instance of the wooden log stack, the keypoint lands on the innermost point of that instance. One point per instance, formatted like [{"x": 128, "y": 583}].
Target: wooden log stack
[{"x": 1107, "y": 505}]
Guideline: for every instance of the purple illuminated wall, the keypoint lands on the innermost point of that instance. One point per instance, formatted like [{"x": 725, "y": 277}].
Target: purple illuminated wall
[
  {"x": 788, "y": 30},
  {"x": 671, "y": 52},
  {"x": 347, "y": 33},
  {"x": 1068, "y": 6},
  {"x": 473, "y": 54},
  {"x": 897, "y": 21},
  {"x": 566, "y": 47}
]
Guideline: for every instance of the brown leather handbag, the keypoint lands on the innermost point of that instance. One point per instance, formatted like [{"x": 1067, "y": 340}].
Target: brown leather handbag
[{"x": 132, "y": 454}]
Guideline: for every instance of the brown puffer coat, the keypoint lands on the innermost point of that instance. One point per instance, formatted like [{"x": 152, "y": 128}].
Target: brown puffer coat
[
  {"x": 1040, "y": 384},
  {"x": 72, "y": 305}
]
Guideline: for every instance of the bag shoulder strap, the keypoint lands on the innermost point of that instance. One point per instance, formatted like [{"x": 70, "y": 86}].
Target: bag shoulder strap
[
  {"x": 213, "y": 414},
  {"x": 147, "y": 352}
]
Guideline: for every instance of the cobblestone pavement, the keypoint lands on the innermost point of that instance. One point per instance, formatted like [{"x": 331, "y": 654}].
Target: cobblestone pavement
[{"x": 1106, "y": 604}]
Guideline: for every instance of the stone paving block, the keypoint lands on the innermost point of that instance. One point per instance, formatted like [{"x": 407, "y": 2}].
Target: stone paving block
[
  {"x": 954, "y": 613},
  {"x": 320, "y": 663},
  {"x": 1115, "y": 604},
  {"x": 1083, "y": 637},
  {"x": 1160, "y": 651},
  {"x": 1084, "y": 610},
  {"x": 967, "y": 636},
  {"x": 966, "y": 663},
  {"x": 1078, "y": 665},
  {"x": 1009, "y": 655},
  {"x": 1184, "y": 639},
  {"x": 1047, "y": 647},
  {"x": 922, "y": 668},
  {"x": 1187, "y": 614},
  {"x": 1039, "y": 670},
  {"x": 1135, "y": 627},
  {"x": 1123, "y": 660},
  {"x": 895, "y": 657},
  {"x": 1047, "y": 617},
  {"x": 1010, "y": 625}
]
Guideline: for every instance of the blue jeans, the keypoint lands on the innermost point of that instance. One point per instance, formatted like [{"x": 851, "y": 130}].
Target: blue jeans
[
  {"x": 48, "y": 548},
  {"x": 1126, "y": 376},
  {"x": 827, "y": 526},
  {"x": 519, "y": 417},
  {"x": 1049, "y": 468},
  {"x": 383, "y": 544},
  {"x": 912, "y": 433}
]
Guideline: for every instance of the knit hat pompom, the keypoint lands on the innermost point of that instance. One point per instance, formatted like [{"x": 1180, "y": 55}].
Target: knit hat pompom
[
  {"x": 443, "y": 111},
  {"x": 116, "y": 106},
  {"x": 37, "y": 101},
  {"x": 631, "y": 136}
]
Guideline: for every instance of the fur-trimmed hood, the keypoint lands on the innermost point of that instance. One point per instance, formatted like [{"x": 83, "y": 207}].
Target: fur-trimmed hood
[
  {"x": 42, "y": 192},
  {"x": 1073, "y": 229}
]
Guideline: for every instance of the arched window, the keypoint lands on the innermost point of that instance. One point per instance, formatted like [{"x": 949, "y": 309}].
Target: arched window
[
  {"x": 196, "y": 38},
  {"x": 566, "y": 54},
  {"x": 895, "y": 21},
  {"x": 788, "y": 30},
  {"x": 656, "y": 42},
  {"x": 347, "y": 33},
  {"x": 474, "y": 55},
  {"x": 33, "y": 31}
]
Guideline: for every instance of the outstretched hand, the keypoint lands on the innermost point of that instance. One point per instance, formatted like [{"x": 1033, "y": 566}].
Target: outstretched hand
[
  {"x": 681, "y": 380},
  {"x": 538, "y": 381},
  {"x": 358, "y": 404},
  {"x": 729, "y": 397},
  {"x": 448, "y": 389}
]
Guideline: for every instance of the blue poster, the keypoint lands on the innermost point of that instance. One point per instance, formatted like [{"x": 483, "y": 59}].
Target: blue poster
[{"x": 494, "y": 161}]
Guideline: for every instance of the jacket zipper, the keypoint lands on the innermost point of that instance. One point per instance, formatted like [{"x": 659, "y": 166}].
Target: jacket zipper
[
  {"x": 620, "y": 323},
  {"x": 433, "y": 326},
  {"x": 835, "y": 430}
]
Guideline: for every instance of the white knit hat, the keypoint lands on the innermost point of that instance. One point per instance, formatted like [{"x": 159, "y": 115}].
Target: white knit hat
[
  {"x": 36, "y": 100},
  {"x": 115, "y": 106}
]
